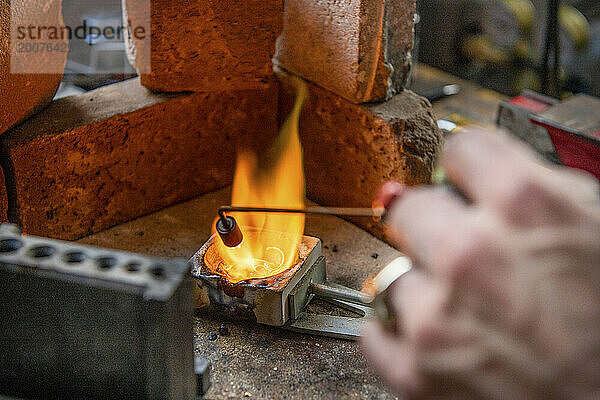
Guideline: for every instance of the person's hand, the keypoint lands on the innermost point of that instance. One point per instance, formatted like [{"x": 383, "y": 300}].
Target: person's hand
[{"x": 504, "y": 302}]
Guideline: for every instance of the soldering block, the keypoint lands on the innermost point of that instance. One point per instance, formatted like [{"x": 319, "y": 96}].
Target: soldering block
[
  {"x": 358, "y": 49},
  {"x": 206, "y": 45},
  {"x": 98, "y": 159},
  {"x": 81, "y": 322},
  {"x": 350, "y": 149}
]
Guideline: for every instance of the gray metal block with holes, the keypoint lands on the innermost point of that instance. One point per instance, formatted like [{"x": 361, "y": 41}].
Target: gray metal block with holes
[{"x": 84, "y": 322}]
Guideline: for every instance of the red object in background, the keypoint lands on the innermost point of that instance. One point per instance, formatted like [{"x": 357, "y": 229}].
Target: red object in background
[
  {"x": 531, "y": 102},
  {"x": 575, "y": 149},
  {"x": 573, "y": 127}
]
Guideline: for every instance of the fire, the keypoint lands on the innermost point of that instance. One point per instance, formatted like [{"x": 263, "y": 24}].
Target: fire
[{"x": 276, "y": 179}]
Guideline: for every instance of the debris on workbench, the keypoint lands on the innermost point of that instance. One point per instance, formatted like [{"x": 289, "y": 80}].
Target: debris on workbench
[{"x": 223, "y": 330}]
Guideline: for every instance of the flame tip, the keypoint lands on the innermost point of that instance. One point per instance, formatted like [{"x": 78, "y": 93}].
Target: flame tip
[{"x": 279, "y": 184}]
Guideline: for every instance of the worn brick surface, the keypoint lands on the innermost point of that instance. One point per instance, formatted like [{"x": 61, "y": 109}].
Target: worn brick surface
[
  {"x": 358, "y": 49},
  {"x": 22, "y": 95},
  {"x": 113, "y": 154},
  {"x": 350, "y": 149},
  {"x": 208, "y": 45}
]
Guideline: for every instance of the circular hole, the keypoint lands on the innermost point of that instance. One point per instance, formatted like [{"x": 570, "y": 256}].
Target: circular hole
[
  {"x": 106, "y": 262},
  {"x": 41, "y": 251},
  {"x": 8, "y": 245},
  {"x": 133, "y": 267},
  {"x": 158, "y": 272},
  {"x": 73, "y": 257}
]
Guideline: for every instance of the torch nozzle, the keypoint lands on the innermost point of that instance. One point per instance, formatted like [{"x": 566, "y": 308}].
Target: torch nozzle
[{"x": 229, "y": 230}]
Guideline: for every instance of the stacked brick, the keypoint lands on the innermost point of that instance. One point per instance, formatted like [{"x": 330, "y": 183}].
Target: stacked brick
[
  {"x": 358, "y": 49},
  {"x": 127, "y": 152},
  {"x": 360, "y": 126},
  {"x": 91, "y": 161},
  {"x": 206, "y": 45},
  {"x": 24, "y": 94}
]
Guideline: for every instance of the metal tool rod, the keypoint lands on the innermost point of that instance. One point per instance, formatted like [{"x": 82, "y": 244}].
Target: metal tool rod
[
  {"x": 440, "y": 92},
  {"x": 346, "y": 212},
  {"x": 340, "y": 293}
]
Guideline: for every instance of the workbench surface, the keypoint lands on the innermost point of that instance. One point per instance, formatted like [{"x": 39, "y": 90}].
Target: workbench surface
[
  {"x": 257, "y": 361},
  {"x": 263, "y": 362},
  {"x": 473, "y": 102}
]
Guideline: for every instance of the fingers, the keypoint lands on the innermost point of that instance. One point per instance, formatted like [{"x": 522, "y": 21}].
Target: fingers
[
  {"x": 426, "y": 329},
  {"x": 484, "y": 163},
  {"x": 393, "y": 358},
  {"x": 498, "y": 172},
  {"x": 423, "y": 220},
  {"x": 420, "y": 302},
  {"x": 447, "y": 238},
  {"x": 424, "y": 316},
  {"x": 478, "y": 265}
]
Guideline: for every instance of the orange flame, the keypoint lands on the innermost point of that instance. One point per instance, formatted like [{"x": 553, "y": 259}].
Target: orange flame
[{"x": 276, "y": 180}]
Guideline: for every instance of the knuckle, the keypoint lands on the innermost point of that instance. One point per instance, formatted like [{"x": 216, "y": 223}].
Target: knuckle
[
  {"x": 540, "y": 199},
  {"x": 474, "y": 249},
  {"x": 427, "y": 333},
  {"x": 522, "y": 191},
  {"x": 528, "y": 199}
]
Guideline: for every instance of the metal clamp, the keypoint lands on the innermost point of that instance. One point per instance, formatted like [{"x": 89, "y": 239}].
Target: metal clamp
[
  {"x": 330, "y": 325},
  {"x": 363, "y": 305}
]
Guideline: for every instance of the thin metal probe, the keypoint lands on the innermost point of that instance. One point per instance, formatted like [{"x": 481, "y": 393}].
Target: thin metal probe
[{"x": 339, "y": 211}]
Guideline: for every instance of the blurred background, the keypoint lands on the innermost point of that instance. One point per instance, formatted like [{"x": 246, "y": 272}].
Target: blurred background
[
  {"x": 504, "y": 45},
  {"x": 501, "y": 44}
]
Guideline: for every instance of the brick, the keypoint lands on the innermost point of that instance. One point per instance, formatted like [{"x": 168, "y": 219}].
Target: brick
[
  {"x": 24, "y": 94},
  {"x": 101, "y": 158},
  {"x": 350, "y": 149},
  {"x": 208, "y": 45},
  {"x": 358, "y": 49}
]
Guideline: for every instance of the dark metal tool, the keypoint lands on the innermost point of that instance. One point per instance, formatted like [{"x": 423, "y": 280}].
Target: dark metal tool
[
  {"x": 339, "y": 211},
  {"x": 232, "y": 236},
  {"x": 84, "y": 322},
  {"x": 440, "y": 92}
]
